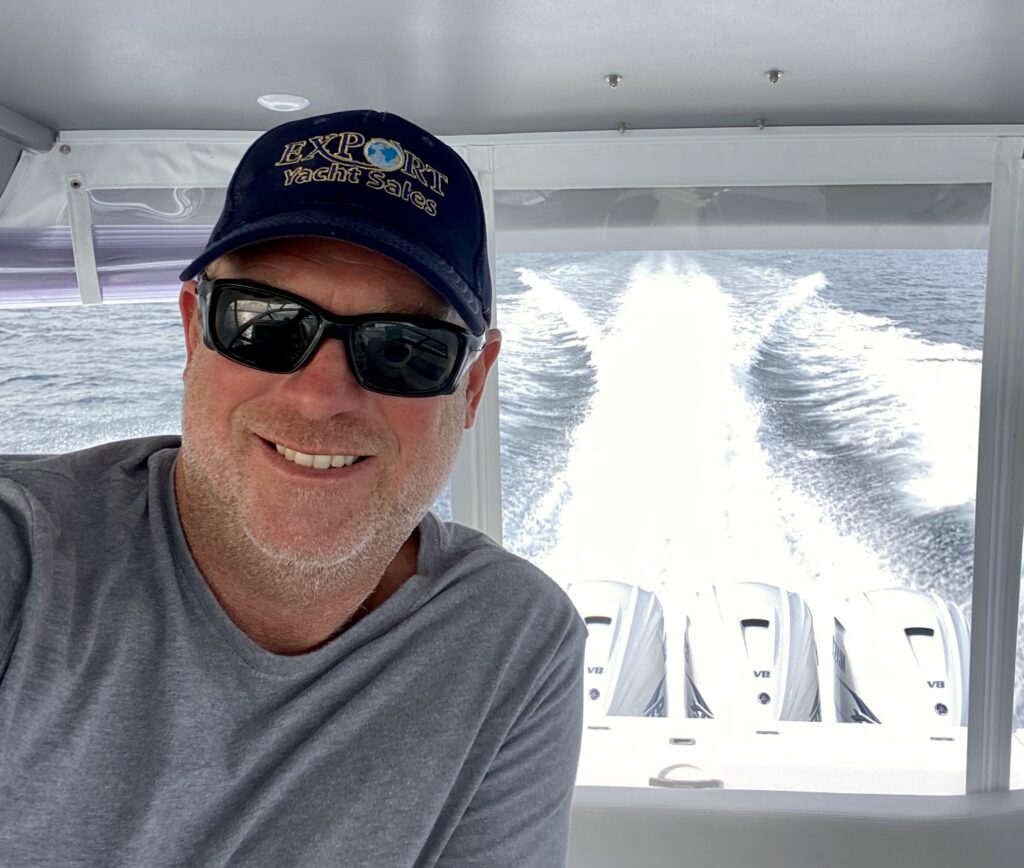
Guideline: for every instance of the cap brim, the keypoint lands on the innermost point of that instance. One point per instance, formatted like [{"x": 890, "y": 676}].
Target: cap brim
[{"x": 416, "y": 257}]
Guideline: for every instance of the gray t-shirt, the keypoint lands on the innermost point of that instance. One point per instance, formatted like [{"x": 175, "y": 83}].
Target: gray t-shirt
[{"x": 140, "y": 727}]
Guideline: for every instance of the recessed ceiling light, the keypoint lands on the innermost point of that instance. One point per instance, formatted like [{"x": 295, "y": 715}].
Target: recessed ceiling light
[{"x": 282, "y": 102}]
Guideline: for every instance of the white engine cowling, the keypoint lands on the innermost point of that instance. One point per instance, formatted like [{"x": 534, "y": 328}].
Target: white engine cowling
[
  {"x": 901, "y": 656},
  {"x": 750, "y": 655},
  {"x": 625, "y": 653}
]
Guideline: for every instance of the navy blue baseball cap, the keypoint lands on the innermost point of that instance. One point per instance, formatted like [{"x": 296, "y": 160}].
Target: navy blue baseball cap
[{"x": 370, "y": 178}]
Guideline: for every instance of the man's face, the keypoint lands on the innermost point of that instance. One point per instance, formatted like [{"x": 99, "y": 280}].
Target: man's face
[{"x": 235, "y": 418}]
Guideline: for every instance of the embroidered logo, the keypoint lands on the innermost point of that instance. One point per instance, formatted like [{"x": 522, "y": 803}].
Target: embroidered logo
[
  {"x": 349, "y": 158},
  {"x": 384, "y": 154}
]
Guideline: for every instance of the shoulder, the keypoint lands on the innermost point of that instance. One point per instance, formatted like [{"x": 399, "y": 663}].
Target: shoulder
[
  {"x": 54, "y": 506},
  {"x": 18, "y": 511},
  {"x": 467, "y": 554},
  {"x": 50, "y": 479},
  {"x": 48, "y": 498},
  {"x": 501, "y": 588}
]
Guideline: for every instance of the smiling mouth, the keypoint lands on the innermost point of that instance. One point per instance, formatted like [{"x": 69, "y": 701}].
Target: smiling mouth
[{"x": 318, "y": 462}]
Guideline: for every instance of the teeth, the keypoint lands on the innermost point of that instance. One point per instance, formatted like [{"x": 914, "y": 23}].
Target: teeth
[{"x": 320, "y": 462}]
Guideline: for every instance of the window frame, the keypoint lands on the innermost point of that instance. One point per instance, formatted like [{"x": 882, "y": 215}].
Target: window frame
[{"x": 823, "y": 157}]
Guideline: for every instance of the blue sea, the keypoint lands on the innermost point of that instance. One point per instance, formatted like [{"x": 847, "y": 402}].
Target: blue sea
[{"x": 670, "y": 418}]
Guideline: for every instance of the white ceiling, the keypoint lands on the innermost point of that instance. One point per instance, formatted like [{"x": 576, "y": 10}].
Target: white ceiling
[{"x": 478, "y": 66}]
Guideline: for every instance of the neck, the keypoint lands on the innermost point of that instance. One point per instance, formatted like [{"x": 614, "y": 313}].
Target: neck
[
  {"x": 289, "y": 624},
  {"x": 283, "y": 608}
]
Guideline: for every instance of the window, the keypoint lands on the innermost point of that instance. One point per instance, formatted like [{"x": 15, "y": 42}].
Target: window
[
  {"x": 37, "y": 266},
  {"x": 720, "y": 452},
  {"x": 144, "y": 237},
  {"x": 76, "y": 375}
]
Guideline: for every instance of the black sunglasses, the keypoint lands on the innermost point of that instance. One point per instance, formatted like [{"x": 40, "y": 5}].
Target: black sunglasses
[{"x": 272, "y": 330}]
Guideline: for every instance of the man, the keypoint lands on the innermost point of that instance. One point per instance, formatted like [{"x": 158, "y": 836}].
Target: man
[{"x": 259, "y": 648}]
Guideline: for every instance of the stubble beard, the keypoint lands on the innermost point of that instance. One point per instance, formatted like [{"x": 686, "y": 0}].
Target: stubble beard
[{"x": 221, "y": 521}]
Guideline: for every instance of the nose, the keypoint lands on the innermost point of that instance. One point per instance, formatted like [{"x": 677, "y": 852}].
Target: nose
[{"x": 325, "y": 386}]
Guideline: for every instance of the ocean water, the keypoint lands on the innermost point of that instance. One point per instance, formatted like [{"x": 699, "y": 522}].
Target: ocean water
[
  {"x": 80, "y": 375},
  {"x": 803, "y": 418},
  {"x": 744, "y": 414},
  {"x": 807, "y": 418}
]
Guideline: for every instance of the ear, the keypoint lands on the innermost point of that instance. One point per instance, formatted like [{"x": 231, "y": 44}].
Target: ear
[
  {"x": 476, "y": 379},
  {"x": 188, "y": 304}
]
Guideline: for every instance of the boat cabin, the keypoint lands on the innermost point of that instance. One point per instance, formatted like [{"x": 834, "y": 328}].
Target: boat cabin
[{"x": 759, "y": 270}]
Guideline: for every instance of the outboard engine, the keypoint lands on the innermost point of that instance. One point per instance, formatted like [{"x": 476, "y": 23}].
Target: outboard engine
[
  {"x": 625, "y": 653},
  {"x": 750, "y": 655},
  {"x": 901, "y": 656}
]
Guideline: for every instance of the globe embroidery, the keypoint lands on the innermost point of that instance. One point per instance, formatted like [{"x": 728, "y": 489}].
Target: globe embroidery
[{"x": 384, "y": 154}]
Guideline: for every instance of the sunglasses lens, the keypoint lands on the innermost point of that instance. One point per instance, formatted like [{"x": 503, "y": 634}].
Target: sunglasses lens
[
  {"x": 274, "y": 333},
  {"x": 266, "y": 332},
  {"x": 401, "y": 358}
]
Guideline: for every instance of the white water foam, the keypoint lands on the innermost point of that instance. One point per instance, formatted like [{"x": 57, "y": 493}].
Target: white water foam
[
  {"x": 534, "y": 324},
  {"x": 900, "y": 391},
  {"x": 547, "y": 300},
  {"x": 789, "y": 296},
  {"x": 668, "y": 484}
]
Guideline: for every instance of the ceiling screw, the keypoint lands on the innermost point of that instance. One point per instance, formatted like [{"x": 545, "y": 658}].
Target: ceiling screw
[
  {"x": 774, "y": 75},
  {"x": 760, "y": 123},
  {"x": 621, "y": 128},
  {"x": 613, "y": 79},
  {"x": 65, "y": 149},
  {"x": 75, "y": 183}
]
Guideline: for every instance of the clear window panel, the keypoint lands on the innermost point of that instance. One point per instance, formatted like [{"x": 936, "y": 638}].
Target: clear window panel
[
  {"x": 37, "y": 266},
  {"x": 753, "y": 469},
  {"x": 143, "y": 238}
]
